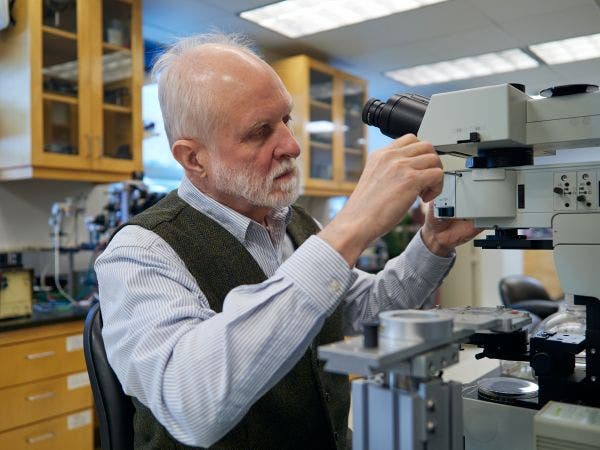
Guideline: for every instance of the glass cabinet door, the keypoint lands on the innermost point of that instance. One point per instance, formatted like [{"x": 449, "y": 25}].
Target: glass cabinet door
[
  {"x": 354, "y": 130},
  {"x": 60, "y": 79},
  {"x": 321, "y": 126},
  {"x": 117, "y": 140}
]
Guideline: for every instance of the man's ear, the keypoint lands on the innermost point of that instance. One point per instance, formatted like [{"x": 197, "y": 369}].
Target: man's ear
[{"x": 191, "y": 155}]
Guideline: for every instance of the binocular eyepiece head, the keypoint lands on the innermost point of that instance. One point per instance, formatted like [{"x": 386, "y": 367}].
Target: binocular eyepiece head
[{"x": 401, "y": 114}]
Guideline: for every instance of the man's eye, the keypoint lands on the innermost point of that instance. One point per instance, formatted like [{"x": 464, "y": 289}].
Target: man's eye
[
  {"x": 263, "y": 131},
  {"x": 288, "y": 121}
]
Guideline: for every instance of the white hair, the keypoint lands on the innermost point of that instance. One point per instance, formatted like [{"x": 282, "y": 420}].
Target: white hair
[{"x": 189, "y": 108}]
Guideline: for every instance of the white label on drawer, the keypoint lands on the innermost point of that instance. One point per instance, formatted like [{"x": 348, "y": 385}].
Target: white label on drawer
[
  {"x": 79, "y": 419},
  {"x": 74, "y": 342},
  {"x": 77, "y": 380}
]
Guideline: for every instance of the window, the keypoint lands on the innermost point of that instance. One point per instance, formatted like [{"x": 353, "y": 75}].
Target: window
[{"x": 162, "y": 173}]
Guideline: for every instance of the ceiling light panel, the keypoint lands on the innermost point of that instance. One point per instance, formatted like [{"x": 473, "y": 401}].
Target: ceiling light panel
[
  {"x": 296, "y": 18},
  {"x": 568, "y": 50},
  {"x": 463, "y": 68}
]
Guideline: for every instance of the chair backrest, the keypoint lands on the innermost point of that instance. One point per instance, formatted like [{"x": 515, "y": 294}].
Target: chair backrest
[
  {"x": 114, "y": 408},
  {"x": 516, "y": 288}
]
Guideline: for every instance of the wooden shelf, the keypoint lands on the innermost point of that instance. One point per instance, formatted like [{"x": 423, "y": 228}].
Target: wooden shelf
[
  {"x": 117, "y": 108},
  {"x": 320, "y": 145},
  {"x": 60, "y": 98},
  {"x": 353, "y": 151},
  {"x": 115, "y": 47},
  {"x": 58, "y": 32},
  {"x": 320, "y": 104}
]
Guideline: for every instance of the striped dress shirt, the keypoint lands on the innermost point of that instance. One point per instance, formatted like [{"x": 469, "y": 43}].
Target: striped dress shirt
[{"x": 198, "y": 371}]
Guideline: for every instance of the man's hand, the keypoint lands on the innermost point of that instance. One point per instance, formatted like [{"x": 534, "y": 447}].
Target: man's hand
[
  {"x": 390, "y": 183},
  {"x": 441, "y": 236}
]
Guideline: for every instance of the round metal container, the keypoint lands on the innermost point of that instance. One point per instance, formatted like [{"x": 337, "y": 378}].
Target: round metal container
[
  {"x": 506, "y": 389},
  {"x": 414, "y": 325}
]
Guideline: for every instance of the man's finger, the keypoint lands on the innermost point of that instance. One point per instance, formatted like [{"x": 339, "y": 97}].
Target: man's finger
[
  {"x": 425, "y": 161},
  {"x": 417, "y": 148},
  {"x": 404, "y": 140},
  {"x": 432, "y": 181}
]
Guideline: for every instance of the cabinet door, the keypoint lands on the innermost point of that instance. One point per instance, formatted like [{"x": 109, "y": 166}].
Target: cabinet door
[
  {"x": 59, "y": 91},
  {"x": 320, "y": 127},
  {"x": 116, "y": 71},
  {"x": 354, "y": 97}
]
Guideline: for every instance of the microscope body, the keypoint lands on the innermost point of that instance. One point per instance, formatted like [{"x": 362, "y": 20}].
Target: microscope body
[{"x": 403, "y": 404}]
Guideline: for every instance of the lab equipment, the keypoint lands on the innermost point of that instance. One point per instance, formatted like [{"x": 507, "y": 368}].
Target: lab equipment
[{"x": 404, "y": 403}]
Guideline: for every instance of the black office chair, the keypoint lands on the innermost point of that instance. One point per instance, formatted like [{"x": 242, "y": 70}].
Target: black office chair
[
  {"x": 527, "y": 294},
  {"x": 114, "y": 408}
]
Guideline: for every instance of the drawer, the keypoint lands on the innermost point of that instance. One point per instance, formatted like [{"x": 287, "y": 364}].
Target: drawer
[
  {"x": 21, "y": 405},
  {"x": 36, "y": 360},
  {"x": 73, "y": 431}
]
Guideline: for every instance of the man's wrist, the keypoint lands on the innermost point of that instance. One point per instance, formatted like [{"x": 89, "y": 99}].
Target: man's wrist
[
  {"x": 433, "y": 245},
  {"x": 346, "y": 237}
]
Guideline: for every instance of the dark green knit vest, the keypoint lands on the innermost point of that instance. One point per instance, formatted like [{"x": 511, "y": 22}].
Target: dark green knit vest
[{"x": 308, "y": 408}]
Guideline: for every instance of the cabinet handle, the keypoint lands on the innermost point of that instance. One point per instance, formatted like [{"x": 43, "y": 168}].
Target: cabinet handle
[
  {"x": 40, "y": 438},
  {"x": 42, "y": 396},
  {"x": 40, "y": 355}
]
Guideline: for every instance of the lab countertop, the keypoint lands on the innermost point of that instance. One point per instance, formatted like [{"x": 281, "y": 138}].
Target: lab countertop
[{"x": 38, "y": 319}]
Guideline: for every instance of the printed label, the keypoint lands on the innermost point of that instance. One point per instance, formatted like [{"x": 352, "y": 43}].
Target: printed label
[
  {"x": 77, "y": 380},
  {"x": 79, "y": 419},
  {"x": 74, "y": 343}
]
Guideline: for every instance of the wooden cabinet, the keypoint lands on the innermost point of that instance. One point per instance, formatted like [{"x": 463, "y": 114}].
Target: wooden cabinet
[
  {"x": 45, "y": 398},
  {"x": 70, "y": 103},
  {"x": 327, "y": 122}
]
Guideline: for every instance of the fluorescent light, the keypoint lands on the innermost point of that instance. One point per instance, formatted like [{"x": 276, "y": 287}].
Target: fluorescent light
[
  {"x": 295, "y": 18},
  {"x": 323, "y": 126},
  {"x": 462, "y": 68},
  {"x": 115, "y": 66},
  {"x": 320, "y": 126},
  {"x": 568, "y": 50}
]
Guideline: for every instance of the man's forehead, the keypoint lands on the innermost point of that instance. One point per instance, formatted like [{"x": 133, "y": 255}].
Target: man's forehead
[{"x": 257, "y": 114}]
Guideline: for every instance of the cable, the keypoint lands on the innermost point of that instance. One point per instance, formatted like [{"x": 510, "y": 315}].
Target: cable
[{"x": 56, "y": 244}]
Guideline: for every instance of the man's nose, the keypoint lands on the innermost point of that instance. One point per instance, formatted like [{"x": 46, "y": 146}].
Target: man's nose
[{"x": 287, "y": 146}]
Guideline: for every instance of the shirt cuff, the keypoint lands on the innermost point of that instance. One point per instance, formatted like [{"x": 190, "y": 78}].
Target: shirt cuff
[
  {"x": 428, "y": 265},
  {"x": 320, "y": 271}
]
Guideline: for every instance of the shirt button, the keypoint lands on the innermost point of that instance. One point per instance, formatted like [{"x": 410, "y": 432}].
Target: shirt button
[
  {"x": 327, "y": 397},
  {"x": 335, "y": 287},
  {"x": 336, "y": 435}
]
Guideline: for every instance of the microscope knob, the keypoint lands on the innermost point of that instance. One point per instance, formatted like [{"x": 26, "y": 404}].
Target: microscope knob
[
  {"x": 370, "y": 334},
  {"x": 541, "y": 363}
]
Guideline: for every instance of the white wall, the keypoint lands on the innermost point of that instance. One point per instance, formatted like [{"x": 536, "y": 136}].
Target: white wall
[{"x": 24, "y": 212}]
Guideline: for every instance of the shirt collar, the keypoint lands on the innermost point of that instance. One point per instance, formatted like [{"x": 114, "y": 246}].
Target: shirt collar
[{"x": 234, "y": 222}]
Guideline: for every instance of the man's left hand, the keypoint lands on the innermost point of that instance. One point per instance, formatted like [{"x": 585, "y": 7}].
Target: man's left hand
[{"x": 441, "y": 236}]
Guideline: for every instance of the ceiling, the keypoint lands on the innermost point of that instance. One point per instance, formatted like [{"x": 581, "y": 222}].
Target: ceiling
[{"x": 445, "y": 31}]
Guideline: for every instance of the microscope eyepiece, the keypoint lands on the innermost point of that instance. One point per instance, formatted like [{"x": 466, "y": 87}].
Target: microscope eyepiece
[{"x": 400, "y": 115}]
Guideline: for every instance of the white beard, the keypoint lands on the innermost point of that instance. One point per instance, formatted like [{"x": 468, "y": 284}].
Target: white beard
[{"x": 266, "y": 192}]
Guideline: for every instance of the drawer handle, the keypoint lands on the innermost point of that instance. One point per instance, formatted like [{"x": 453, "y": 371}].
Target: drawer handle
[
  {"x": 40, "y": 355},
  {"x": 42, "y": 396},
  {"x": 40, "y": 438}
]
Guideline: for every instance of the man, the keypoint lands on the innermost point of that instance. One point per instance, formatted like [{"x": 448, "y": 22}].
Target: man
[{"x": 215, "y": 300}]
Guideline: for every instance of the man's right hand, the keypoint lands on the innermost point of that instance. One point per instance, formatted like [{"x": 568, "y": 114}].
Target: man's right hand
[{"x": 393, "y": 178}]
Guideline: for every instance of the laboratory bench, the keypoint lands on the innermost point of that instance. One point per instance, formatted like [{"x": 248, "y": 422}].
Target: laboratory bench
[{"x": 45, "y": 396}]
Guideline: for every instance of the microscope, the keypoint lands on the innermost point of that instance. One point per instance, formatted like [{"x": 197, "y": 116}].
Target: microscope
[{"x": 402, "y": 403}]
